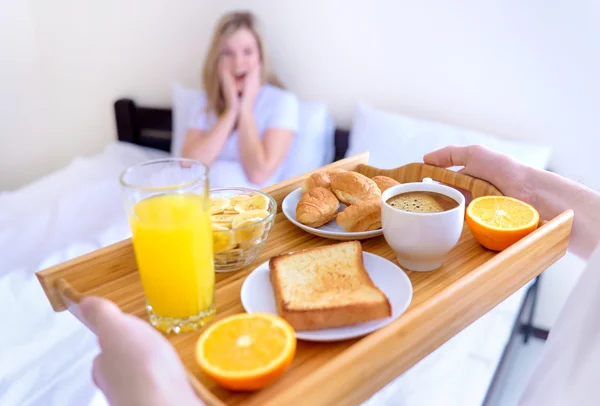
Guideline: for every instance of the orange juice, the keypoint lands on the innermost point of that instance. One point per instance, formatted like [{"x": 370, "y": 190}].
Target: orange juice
[{"x": 172, "y": 239}]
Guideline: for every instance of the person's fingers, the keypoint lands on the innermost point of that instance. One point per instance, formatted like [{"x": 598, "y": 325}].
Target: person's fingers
[
  {"x": 448, "y": 157},
  {"x": 101, "y": 315},
  {"x": 466, "y": 193},
  {"x": 97, "y": 373}
]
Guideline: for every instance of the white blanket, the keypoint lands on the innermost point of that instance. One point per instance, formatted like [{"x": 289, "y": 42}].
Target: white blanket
[{"x": 45, "y": 357}]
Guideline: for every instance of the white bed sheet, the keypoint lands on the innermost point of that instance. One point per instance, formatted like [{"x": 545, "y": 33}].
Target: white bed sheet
[
  {"x": 45, "y": 357},
  {"x": 460, "y": 371}
]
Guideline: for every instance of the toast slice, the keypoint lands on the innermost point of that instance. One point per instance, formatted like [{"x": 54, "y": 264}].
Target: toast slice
[{"x": 326, "y": 287}]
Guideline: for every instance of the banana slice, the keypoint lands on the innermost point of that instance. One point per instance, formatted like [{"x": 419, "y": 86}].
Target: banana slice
[
  {"x": 218, "y": 204},
  {"x": 234, "y": 200},
  {"x": 223, "y": 220},
  {"x": 246, "y": 231},
  {"x": 223, "y": 239},
  {"x": 256, "y": 202},
  {"x": 257, "y": 215}
]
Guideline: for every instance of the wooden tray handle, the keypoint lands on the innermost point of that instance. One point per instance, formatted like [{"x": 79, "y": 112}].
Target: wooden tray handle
[
  {"x": 415, "y": 172},
  {"x": 70, "y": 298}
]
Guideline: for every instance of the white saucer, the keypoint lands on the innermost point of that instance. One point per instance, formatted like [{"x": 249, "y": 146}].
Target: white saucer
[
  {"x": 330, "y": 230},
  {"x": 257, "y": 296}
]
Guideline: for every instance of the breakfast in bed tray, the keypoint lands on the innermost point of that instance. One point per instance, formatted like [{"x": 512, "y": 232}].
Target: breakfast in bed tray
[{"x": 349, "y": 265}]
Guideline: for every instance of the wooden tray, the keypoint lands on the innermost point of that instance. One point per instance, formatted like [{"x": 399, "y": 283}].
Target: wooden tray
[{"x": 471, "y": 282}]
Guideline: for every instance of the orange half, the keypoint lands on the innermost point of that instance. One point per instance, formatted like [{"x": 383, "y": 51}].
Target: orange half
[
  {"x": 246, "y": 351},
  {"x": 497, "y": 222}
]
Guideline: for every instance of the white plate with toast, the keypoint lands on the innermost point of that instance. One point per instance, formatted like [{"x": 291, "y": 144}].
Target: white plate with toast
[
  {"x": 330, "y": 230},
  {"x": 303, "y": 291}
]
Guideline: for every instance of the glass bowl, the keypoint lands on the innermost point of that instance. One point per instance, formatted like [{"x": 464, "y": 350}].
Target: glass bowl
[{"x": 240, "y": 230}]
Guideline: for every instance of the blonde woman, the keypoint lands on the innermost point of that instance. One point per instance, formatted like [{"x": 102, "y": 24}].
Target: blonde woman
[{"x": 246, "y": 122}]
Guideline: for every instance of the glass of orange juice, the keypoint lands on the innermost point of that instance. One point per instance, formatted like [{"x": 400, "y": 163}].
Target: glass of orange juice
[{"x": 169, "y": 214}]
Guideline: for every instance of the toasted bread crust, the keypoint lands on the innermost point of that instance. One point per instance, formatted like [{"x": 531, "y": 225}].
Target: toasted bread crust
[
  {"x": 274, "y": 277},
  {"x": 336, "y": 317},
  {"x": 303, "y": 317}
]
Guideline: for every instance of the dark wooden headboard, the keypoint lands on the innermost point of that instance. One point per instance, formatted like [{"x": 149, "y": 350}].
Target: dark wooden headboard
[{"x": 152, "y": 127}]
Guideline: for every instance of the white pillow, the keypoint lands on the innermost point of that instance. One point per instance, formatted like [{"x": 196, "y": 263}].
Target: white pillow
[
  {"x": 184, "y": 100},
  {"x": 312, "y": 146},
  {"x": 394, "y": 139}
]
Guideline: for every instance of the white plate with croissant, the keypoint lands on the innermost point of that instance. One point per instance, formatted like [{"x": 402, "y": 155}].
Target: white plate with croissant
[{"x": 337, "y": 204}]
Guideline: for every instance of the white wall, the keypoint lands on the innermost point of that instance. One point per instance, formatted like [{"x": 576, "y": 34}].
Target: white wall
[
  {"x": 68, "y": 61},
  {"x": 19, "y": 80},
  {"x": 513, "y": 68},
  {"x": 516, "y": 69}
]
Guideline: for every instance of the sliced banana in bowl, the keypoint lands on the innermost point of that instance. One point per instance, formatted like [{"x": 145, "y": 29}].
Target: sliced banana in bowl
[
  {"x": 234, "y": 200},
  {"x": 249, "y": 229},
  {"x": 218, "y": 204},
  {"x": 242, "y": 219},
  {"x": 256, "y": 215},
  {"x": 256, "y": 202},
  {"x": 224, "y": 220},
  {"x": 223, "y": 239}
]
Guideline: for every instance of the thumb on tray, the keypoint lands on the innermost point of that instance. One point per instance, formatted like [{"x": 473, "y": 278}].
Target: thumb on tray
[{"x": 99, "y": 314}]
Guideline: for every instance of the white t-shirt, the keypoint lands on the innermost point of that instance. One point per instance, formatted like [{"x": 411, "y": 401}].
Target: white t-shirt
[
  {"x": 569, "y": 371},
  {"x": 273, "y": 108}
]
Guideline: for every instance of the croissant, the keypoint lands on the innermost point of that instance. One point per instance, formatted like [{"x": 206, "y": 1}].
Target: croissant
[
  {"x": 352, "y": 187},
  {"x": 317, "y": 207},
  {"x": 319, "y": 179},
  {"x": 362, "y": 216},
  {"x": 384, "y": 182}
]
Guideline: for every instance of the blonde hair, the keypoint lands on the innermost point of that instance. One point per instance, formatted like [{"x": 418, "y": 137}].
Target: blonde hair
[{"x": 228, "y": 24}]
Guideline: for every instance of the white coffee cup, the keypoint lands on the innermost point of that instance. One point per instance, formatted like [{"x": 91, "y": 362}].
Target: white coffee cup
[{"x": 421, "y": 241}]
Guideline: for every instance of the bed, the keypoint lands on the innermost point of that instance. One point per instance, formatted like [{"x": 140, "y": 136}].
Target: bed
[{"x": 45, "y": 357}]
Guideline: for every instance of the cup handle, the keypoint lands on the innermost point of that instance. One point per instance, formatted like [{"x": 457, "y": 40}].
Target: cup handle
[{"x": 429, "y": 180}]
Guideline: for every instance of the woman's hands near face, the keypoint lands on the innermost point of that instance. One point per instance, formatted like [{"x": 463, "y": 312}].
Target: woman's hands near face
[
  {"x": 252, "y": 83},
  {"x": 230, "y": 93}
]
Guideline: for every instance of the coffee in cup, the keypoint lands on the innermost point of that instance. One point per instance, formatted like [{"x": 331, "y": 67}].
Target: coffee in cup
[
  {"x": 422, "y": 222},
  {"x": 422, "y": 202}
]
